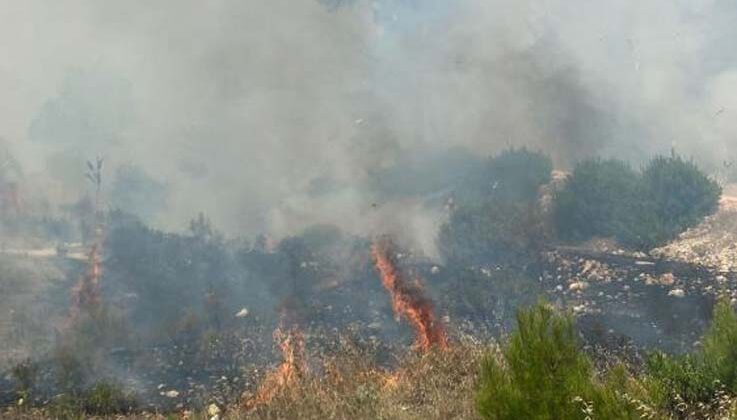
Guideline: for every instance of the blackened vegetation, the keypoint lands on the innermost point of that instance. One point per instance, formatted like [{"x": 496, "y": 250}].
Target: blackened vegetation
[{"x": 187, "y": 318}]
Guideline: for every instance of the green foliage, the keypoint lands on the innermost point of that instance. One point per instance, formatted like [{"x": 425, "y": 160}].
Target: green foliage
[
  {"x": 106, "y": 399},
  {"x": 25, "y": 374},
  {"x": 698, "y": 377},
  {"x": 102, "y": 399},
  {"x": 492, "y": 232},
  {"x": 681, "y": 194},
  {"x": 496, "y": 218},
  {"x": 608, "y": 198},
  {"x": 514, "y": 175},
  {"x": 598, "y": 199},
  {"x": 543, "y": 374}
]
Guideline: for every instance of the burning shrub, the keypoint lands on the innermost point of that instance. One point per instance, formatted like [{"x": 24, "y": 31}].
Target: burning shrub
[
  {"x": 542, "y": 373},
  {"x": 352, "y": 384}
]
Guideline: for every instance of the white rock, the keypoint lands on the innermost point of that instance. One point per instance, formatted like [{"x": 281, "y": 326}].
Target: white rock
[
  {"x": 578, "y": 285},
  {"x": 171, "y": 393},
  {"x": 213, "y": 410},
  {"x": 677, "y": 293}
]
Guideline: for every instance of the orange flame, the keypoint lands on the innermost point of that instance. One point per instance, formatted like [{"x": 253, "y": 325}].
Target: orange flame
[
  {"x": 87, "y": 290},
  {"x": 289, "y": 370},
  {"x": 408, "y": 300}
]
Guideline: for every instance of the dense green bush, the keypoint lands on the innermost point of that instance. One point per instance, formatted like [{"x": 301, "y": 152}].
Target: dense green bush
[
  {"x": 607, "y": 198},
  {"x": 513, "y": 175},
  {"x": 491, "y": 232},
  {"x": 542, "y": 373},
  {"x": 681, "y": 194},
  {"x": 600, "y": 198},
  {"x": 495, "y": 219},
  {"x": 517, "y": 174},
  {"x": 697, "y": 377}
]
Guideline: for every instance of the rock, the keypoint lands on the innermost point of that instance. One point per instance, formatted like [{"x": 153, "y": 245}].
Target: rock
[
  {"x": 171, "y": 393},
  {"x": 578, "y": 286},
  {"x": 677, "y": 293},
  {"x": 213, "y": 410},
  {"x": 667, "y": 279}
]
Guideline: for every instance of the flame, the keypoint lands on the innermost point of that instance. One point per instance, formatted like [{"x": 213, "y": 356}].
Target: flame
[
  {"x": 86, "y": 293},
  {"x": 292, "y": 346},
  {"x": 408, "y": 300},
  {"x": 391, "y": 381}
]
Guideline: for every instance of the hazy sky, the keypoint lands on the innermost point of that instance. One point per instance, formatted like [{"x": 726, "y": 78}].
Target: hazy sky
[{"x": 242, "y": 107}]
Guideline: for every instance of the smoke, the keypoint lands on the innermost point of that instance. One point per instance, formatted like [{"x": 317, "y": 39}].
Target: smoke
[{"x": 271, "y": 116}]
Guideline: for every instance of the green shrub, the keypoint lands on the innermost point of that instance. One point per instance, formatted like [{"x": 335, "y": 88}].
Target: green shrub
[
  {"x": 25, "y": 374},
  {"x": 543, "y": 374},
  {"x": 698, "y": 377},
  {"x": 103, "y": 399},
  {"x": 496, "y": 218},
  {"x": 492, "y": 232},
  {"x": 607, "y": 198},
  {"x": 599, "y": 199},
  {"x": 517, "y": 174},
  {"x": 681, "y": 194},
  {"x": 512, "y": 175}
]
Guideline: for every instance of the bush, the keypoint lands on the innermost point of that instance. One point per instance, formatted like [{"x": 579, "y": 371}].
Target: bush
[
  {"x": 543, "y": 374},
  {"x": 25, "y": 374},
  {"x": 607, "y": 198},
  {"x": 490, "y": 233},
  {"x": 496, "y": 219},
  {"x": 699, "y": 377},
  {"x": 517, "y": 174},
  {"x": 599, "y": 198},
  {"x": 103, "y": 399},
  {"x": 681, "y": 194},
  {"x": 514, "y": 175}
]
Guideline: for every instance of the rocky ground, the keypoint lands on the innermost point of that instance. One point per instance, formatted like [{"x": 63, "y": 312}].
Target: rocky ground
[{"x": 712, "y": 243}]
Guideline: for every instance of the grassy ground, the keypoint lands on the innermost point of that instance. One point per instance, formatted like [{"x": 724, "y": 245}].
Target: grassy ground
[{"x": 437, "y": 385}]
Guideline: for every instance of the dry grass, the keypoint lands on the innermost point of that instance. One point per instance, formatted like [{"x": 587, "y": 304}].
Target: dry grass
[
  {"x": 437, "y": 385},
  {"x": 348, "y": 385}
]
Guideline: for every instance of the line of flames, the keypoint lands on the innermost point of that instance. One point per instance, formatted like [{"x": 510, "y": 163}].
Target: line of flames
[{"x": 408, "y": 300}]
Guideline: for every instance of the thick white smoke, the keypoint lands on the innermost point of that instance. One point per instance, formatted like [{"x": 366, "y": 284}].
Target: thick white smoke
[{"x": 273, "y": 115}]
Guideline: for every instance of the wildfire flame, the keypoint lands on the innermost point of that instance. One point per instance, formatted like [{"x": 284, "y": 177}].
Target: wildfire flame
[
  {"x": 408, "y": 300},
  {"x": 292, "y": 346},
  {"x": 87, "y": 290}
]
